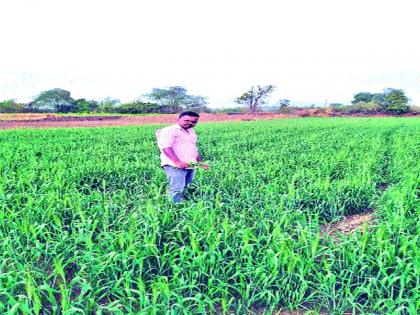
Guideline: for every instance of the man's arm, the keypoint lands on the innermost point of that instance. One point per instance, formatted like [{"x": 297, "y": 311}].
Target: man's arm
[{"x": 171, "y": 154}]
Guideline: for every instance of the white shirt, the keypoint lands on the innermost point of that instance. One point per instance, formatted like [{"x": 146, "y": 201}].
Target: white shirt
[{"x": 182, "y": 141}]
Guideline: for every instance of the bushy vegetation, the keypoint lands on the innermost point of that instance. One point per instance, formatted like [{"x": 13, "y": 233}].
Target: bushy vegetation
[
  {"x": 52, "y": 101},
  {"x": 391, "y": 101},
  {"x": 167, "y": 101},
  {"x": 229, "y": 110},
  {"x": 10, "y": 106},
  {"x": 86, "y": 227},
  {"x": 176, "y": 99},
  {"x": 359, "y": 107},
  {"x": 287, "y": 109}
]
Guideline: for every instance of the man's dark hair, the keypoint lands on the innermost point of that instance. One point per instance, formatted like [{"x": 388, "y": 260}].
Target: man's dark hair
[{"x": 193, "y": 114}]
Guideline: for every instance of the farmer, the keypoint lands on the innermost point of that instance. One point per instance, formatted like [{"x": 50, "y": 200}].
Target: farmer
[{"x": 177, "y": 144}]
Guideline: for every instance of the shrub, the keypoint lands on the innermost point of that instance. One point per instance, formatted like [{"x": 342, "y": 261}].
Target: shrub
[
  {"x": 360, "y": 107},
  {"x": 229, "y": 110},
  {"x": 285, "y": 110},
  {"x": 395, "y": 102},
  {"x": 10, "y": 106},
  {"x": 138, "y": 108},
  {"x": 86, "y": 106},
  {"x": 55, "y": 100}
]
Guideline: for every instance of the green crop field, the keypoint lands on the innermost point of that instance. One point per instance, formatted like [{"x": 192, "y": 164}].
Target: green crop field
[{"x": 85, "y": 226}]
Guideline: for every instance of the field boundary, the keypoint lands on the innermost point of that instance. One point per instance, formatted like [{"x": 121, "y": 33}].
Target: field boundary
[{"x": 18, "y": 121}]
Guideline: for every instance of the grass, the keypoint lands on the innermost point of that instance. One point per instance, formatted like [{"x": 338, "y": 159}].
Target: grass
[{"x": 86, "y": 227}]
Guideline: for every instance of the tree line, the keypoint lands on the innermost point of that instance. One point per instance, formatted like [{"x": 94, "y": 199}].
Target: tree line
[
  {"x": 168, "y": 100},
  {"x": 176, "y": 98},
  {"x": 391, "y": 101}
]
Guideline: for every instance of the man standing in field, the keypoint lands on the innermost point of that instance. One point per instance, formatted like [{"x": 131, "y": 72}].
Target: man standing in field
[{"x": 177, "y": 145}]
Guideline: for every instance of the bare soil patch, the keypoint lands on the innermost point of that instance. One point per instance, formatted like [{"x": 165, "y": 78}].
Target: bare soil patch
[
  {"x": 56, "y": 121},
  {"x": 11, "y": 121},
  {"x": 347, "y": 225}
]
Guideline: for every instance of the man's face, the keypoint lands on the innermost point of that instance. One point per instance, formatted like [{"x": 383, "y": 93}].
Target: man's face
[{"x": 187, "y": 122}]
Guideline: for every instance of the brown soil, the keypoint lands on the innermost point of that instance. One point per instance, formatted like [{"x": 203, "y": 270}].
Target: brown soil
[
  {"x": 347, "y": 225},
  {"x": 53, "y": 121},
  {"x": 11, "y": 121}
]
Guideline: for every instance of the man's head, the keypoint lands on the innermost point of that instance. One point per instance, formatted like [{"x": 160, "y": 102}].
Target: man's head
[{"x": 188, "y": 120}]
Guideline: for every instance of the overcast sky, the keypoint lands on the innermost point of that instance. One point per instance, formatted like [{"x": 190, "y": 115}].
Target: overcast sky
[{"x": 313, "y": 51}]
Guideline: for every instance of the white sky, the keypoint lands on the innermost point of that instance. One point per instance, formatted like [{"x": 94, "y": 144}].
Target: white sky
[{"x": 312, "y": 51}]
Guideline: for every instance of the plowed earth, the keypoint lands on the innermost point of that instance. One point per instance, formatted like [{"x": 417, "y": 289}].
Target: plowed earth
[
  {"x": 53, "y": 121},
  {"x": 11, "y": 121}
]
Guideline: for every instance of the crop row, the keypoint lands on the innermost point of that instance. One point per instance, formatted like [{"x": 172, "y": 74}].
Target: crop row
[{"x": 86, "y": 227}]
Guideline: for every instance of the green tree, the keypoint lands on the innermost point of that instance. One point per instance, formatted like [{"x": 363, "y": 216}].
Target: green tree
[
  {"x": 138, "y": 107},
  {"x": 378, "y": 98},
  {"x": 255, "y": 97},
  {"x": 86, "y": 106},
  {"x": 395, "y": 101},
  {"x": 55, "y": 100},
  {"x": 362, "y": 97},
  {"x": 175, "y": 99},
  {"x": 284, "y": 102},
  {"x": 108, "y": 105},
  {"x": 365, "y": 108},
  {"x": 336, "y": 105},
  {"x": 10, "y": 106}
]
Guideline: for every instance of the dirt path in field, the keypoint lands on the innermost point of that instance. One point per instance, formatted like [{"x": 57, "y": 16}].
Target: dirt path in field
[{"x": 53, "y": 121}]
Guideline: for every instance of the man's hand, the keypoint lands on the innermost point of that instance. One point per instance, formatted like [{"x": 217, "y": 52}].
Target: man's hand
[
  {"x": 200, "y": 161},
  {"x": 171, "y": 154},
  {"x": 196, "y": 165},
  {"x": 181, "y": 164}
]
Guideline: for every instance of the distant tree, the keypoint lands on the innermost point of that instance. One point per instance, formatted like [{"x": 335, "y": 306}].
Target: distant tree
[
  {"x": 284, "y": 102},
  {"x": 336, "y": 105},
  {"x": 108, "y": 105},
  {"x": 365, "y": 108},
  {"x": 138, "y": 107},
  {"x": 378, "y": 98},
  {"x": 197, "y": 103},
  {"x": 55, "y": 100},
  {"x": 10, "y": 106},
  {"x": 86, "y": 106},
  {"x": 228, "y": 110},
  {"x": 392, "y": 101},
  {"x": 255, "y": 97},
  {"x": 175, "y": 99},
  {"x": 395, "y": 101},
  {"x": 362, "y": 97}
]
